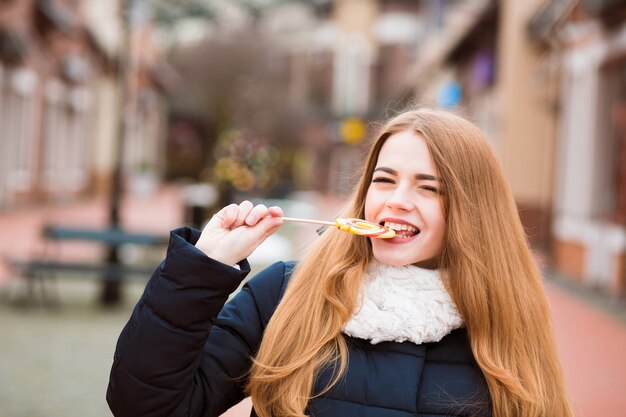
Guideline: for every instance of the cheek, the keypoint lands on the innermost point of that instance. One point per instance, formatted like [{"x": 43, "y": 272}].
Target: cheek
[
  {"x": 441, "y": 226},
  {"x": 441, "y": 234},
  {"x": 437, "y": 219}
]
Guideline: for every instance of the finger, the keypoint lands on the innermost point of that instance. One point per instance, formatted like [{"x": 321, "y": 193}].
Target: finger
[
  {"x": 274, "y": 225},
  {"x": 244, "y": 210},
  {"x": 229, "y": 215},
  {"x": 218, "y": 219},
  {"x": 276, "y": 211},
  {"x": 265, "y": 228},
  {"x": 256, "y": 214}
]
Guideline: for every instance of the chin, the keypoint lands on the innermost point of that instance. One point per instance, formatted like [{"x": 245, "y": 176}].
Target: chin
[{"x": 391, "y": 260}]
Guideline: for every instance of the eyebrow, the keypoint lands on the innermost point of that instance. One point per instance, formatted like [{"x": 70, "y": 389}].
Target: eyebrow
[{"x": 418, "y": 176}]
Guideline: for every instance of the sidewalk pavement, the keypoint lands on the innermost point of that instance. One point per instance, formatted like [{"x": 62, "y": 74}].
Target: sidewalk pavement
[
  {"x": 591, "y": 342},
  {"x": 592, "y": 348}
]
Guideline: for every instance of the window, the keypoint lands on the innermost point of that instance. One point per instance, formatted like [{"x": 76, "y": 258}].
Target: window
[
  {"x": 55, "y": 147},
  {"x": 79, "y": 139},
  {"x": 66, "y": 143},
  {"x": 3, "y": 142},
  {"x": 611, "y": 149},
  {"x": 18, "y": 130},
  {"x": 351, "y": 78},
  {"x": 142, "y": 145}
]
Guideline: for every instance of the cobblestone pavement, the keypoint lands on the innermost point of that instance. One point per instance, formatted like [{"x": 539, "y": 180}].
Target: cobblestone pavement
[
  {"x": 591, "y": 345},
  {"x": 55, "y": 361}
]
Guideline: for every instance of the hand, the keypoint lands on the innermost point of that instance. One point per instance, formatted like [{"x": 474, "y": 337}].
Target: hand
[{"x": 237, "y": 230}]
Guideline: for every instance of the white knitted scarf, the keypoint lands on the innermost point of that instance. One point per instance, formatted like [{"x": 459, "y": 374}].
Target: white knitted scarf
[{"x": 403, "y": 303}]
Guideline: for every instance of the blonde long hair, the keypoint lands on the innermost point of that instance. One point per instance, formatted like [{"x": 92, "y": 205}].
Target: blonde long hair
[{"x": 492, "y": 277}]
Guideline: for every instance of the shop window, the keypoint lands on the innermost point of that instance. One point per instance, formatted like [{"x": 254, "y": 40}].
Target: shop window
[
  {"x": 18, "y": 130},
  {"x": 143, "y": 142},
  {"x": 3, "y": 142},
  {"x": 66, "y": 151},
  {"x": 320, "y": 79},
  {"x": 351, "y": 78},
  {"x": 612, "y": 149},
  {"x": 55, "y": 146},
  {"x": 618, "y": 114},
  {"x": 79, "y": 138}
]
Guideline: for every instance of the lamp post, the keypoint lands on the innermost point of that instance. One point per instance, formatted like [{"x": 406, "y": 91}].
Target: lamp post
[{"x": 111, "y": 284}]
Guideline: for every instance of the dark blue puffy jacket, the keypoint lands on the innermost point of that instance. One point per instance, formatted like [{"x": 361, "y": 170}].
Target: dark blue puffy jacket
[{"x": 184, "y": 353}]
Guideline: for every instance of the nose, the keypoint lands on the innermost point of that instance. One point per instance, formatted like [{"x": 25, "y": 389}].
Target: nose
[{"x": 399, "y": 200}]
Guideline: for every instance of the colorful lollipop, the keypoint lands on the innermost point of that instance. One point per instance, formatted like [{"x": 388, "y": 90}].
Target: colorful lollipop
[
  {"x": 364, "y": 228},
  {"x": 352, "y": 225}
]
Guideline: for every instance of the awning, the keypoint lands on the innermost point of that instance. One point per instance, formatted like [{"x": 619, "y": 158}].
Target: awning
[
  {"x": 612, "y": 12},
  {"x": 603, "y": 6},
  {"x": 58, "y": 15},
  {"x": 438, "y": 49},
  {"x": 13, "y": 47},
  {"x": 482, "y": 33},
  {"x": 541, "y": 24}
]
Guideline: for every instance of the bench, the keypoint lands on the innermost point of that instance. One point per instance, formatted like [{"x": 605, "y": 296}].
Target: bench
[
  {"x": 108, "y": 236},
  {"x": 47, "y": 266}
]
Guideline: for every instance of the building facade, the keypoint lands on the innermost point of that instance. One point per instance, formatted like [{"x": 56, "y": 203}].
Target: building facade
[
  {"x": 58, "y": 102},
  {"x": 479, "y": 60},
  {"x": 587, "y": 39},
  {"x": 346, "y": 60},
  {"x": 545, "y": 81}
]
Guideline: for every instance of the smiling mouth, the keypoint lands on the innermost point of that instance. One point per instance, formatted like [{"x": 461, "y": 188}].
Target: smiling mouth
[{"x": 402, "y": 230}]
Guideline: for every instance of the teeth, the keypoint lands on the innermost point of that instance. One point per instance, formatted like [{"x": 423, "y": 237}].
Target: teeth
[{"x": 399, "y": 227}]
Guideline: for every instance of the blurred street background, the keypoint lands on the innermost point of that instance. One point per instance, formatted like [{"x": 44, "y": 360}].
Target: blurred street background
[{"x": 123, "y": 119}]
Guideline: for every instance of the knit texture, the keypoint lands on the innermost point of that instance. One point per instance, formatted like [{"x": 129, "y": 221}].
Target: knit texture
[{"x": 403, "y": 303}]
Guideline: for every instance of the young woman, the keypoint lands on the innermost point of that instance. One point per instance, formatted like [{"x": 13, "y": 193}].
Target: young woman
[{"x": 449, "y": 318}]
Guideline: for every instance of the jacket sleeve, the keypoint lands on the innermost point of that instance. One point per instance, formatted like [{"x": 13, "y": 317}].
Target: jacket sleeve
[{"x": 184, "y": 352}]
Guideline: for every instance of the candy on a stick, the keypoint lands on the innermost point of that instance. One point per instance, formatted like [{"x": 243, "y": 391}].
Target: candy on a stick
[
  {"x": 354, "y": 226},
  {"x": 364, "y": 228}
]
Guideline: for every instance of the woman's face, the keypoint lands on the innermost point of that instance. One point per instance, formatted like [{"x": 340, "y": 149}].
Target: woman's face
[{"x": 405, "y": 195}]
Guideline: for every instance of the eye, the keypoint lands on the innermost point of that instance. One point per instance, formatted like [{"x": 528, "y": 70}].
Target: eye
[
  {"x": 430, "y": 188},
  {"x": 383, "y": 180}
]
